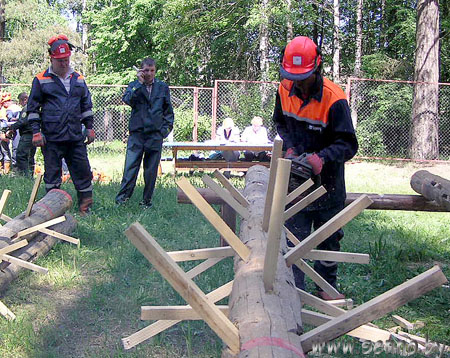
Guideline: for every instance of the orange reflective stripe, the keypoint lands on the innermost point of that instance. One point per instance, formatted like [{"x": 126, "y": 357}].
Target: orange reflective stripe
[
  {"x": 40, "y": 76},
  {"x": 314, "y": 112}
]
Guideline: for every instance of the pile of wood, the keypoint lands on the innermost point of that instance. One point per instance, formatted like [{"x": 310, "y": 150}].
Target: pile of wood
[
  {"x": 32, "y": 234},
  {"x": 266, "y": 313}
]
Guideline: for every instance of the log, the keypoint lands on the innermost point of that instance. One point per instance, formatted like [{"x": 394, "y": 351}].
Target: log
[
  {"x": 54, "y": 204},
  {"x": 269, "y": 323},
  {"x": 41, "y": 244},
  {"x": 432, "y": 187},
  {"x": 380, "y": 201}
]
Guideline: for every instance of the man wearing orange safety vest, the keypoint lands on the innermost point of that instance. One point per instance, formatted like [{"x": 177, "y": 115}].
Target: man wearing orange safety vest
[
  {"x": 58, "y": 107},
  {"x": 312, "y": 116}
]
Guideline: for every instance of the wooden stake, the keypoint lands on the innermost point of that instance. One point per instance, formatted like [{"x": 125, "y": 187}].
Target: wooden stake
[
  {"x": 276, "y": 154},
  {"x": 39, "y": 227},
  {"x": 13, "y": 247},
  {"x": 294, "y": 209},
  {"x": 326, "y": 255},
  {"x": 6, "y": 312},
  {"x": 276, "y": 223},
  {"x": 313, "y": 275},
  {"x": 3, "y": 200},
  {"x": 37, "y": 182},
  {"x": 218, "y": 322},
  {"x": 226, "y": 197},
  {"x": 327, "y": 229},
  {"x": 214, "y": 218},
  {"x": 403, "y": 322},
  {"x": 159, "y": 326},
  {"x": 60, "y": 236},
  {"x": 299, "y": 191},
  {"x": 25, "y": 264},
  {"x": 230, "y": 187},
  {"x": 183, "y": 313},
  {"x": 375, "y": 308},
  {"x": 201, "y": 254}
]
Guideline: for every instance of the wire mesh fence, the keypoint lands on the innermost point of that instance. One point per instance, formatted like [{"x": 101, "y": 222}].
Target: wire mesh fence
[{"x": 382, "y": 112}]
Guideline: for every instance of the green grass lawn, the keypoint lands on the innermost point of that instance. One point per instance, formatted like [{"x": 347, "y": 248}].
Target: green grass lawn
[{"x": 92, "y": 296}]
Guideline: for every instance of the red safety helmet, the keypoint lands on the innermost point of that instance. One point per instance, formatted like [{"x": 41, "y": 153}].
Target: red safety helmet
[
  {"x": 300, "y": 59},
  {"x": 60, "y": 47},
  {"x": 5, "y": 97}
]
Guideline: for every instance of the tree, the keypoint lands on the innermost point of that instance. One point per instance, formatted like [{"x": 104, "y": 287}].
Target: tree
[{"x": 425, "y": 116}]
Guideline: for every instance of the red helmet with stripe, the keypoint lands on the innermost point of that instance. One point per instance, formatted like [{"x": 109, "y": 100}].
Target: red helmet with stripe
[
  {"x": 300, "y": 59},
  {"x": 60, "y": 47}
]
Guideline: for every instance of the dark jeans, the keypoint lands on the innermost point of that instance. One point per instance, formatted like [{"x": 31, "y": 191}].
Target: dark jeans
[
  {"x": 300, "y": 225},
  {"x": 25, "y": 155},
  {"x": 136, "y": 152},
  {"x": 75, "y": 154},
  {"x": 6, "y": 153}
]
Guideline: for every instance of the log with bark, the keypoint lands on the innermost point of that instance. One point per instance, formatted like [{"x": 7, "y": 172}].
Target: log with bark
[
  {"x": 54, "y": 204},
  {"x": 269, "y": 323},
  {"x": 432, "y": 187},
  {"x": 380, "y": 201}
]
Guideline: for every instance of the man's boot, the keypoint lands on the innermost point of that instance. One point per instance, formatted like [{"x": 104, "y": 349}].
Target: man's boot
[
  {"x": 7, "y": 167},
  {"x": 85, "y": 202}
]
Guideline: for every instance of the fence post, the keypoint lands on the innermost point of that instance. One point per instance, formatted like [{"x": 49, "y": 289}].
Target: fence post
[
  {"x": 195, "y": 130},
  {"x": 214, "y": 110}
]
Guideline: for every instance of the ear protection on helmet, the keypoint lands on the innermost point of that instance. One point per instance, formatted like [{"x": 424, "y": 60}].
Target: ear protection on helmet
[{"x": 55, "y": 41}]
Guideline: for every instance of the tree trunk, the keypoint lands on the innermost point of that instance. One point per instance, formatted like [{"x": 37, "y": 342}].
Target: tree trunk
[
  {"x": 289, "y": 25},
  {"x": 354, "y": 90},
  {"x": 336, "y": 41},
  {"x": 432, "y": 187},
  {"x": 266, "y": 321},
  {"x": 425, "y": 117},
  {"x": 264, "y": 52},
  {"x": 51, "y": 206}
]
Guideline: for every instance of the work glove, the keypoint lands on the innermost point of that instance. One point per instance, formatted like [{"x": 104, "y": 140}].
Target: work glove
[
  {"x": 10, "y": 134},
  {"x": 90, "y": 136},
  {"x": 3, "y": 137},
  {"x": 38, "y": 139},
  {"x": 316, "y": 163},
  {"x": 291, "y": 153}
]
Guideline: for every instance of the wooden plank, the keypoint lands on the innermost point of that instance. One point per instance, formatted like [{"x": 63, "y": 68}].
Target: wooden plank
[
  {"x": 25, "y": 264},
  {"x": 326, "y": 255},
  {"x": 299, "y": 191},
  {"x": 173, "y": 313},
  {"x": 294, "y": 209},
  {"x": 226, "y": 197},
  {"x": 218, "y": 322},
  {"x": 365, "y": 332},
  {"x": 327, "y": 229},
  {"x": 319, "y": 304},
  {"x": 5, "y": 195},
  {"x": 60, "y": 236},
  {"x": 230, "y": 187},
  {"x": 34, "y": 192},
  {"x": 202, "y": 267},
  {"x": 313, "y": 275},
  {"x": 291, "y": 236},
  {"x": 39, "y": 227},
  {"x": 343, "y": 302},
  {"x": 6, "y": 312},
  {"x": 217, "y": 164},
  {"x": 404, "y": 323},
  {"x": 5, "y": 217},
  {"x": 276, "y": 223},
  {"x": 276, "y": 154},
  {"x": 159, "y": 326},
  {"x": 13, "y": 247},
  {"x": 375, "y": 308},
  {"x": 201, "y": 254},
  {"x": 214, "y": 218}
]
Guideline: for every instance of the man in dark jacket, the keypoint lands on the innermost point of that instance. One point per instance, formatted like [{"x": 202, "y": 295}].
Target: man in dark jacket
[
  {"x": 312, "y": 116},
  {"x": 59, "y": 104},
  {"x": 25, "y": 149},
  {"x": 151, "y": 121}
]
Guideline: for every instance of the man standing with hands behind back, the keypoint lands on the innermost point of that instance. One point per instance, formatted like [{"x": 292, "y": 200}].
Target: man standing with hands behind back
[
  {"x": 151, "y": 121},
  {"x": 59, "y": 103},
  {"x": 312, "y": 116}
]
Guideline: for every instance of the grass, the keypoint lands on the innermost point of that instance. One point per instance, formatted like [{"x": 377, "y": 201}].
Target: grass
[{"x": 92, "y": 296}]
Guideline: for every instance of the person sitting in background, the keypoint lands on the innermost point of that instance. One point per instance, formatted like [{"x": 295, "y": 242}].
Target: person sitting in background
[
  {"x": 255, "y": 134},
  {"x": 4, "y": 141},
  {"x": 228, "y": 133},
  {"x": 12, "y": 116}
]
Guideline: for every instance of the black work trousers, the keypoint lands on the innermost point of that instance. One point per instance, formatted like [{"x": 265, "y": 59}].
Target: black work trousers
[
  {"x": 75, "y": 155},
  {"x": 25, "y": 155},
  {"x": 301, "y": 225},
  {"x": 140, "y": 148}
]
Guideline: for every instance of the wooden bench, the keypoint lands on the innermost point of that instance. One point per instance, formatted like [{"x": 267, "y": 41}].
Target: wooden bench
[{"x": 214, "y": 164}]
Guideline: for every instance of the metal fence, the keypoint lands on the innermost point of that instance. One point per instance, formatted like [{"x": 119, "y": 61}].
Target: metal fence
[{"x": 381, "y": 111}]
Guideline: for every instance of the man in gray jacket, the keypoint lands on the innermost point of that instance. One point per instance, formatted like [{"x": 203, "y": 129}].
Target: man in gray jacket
[{"x": 151, "y": 121}]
